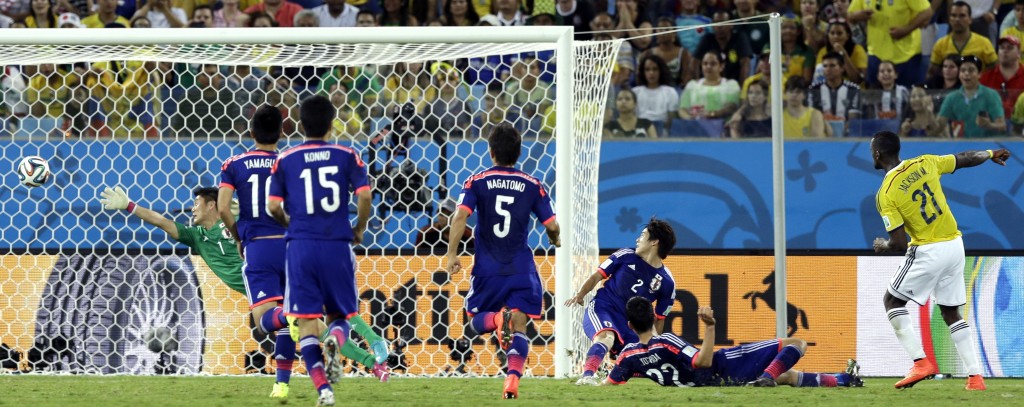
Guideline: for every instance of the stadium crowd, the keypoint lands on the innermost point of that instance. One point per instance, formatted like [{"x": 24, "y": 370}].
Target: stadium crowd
[{"x": 850, "y": 68}]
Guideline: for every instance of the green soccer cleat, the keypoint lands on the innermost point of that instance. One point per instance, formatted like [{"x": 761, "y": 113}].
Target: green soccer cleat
[
  {"x": 280, "y": 392},
  {"x": 293, "y": 328}
]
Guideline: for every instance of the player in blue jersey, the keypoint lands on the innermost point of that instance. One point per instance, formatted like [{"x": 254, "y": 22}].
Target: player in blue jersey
[
  {"x": 630, "y": 273},
  {"x": 671, "y": 361},
  {"x": 505, "y": 288},
  {"x": 309, "y": 194},
  {"x": 261, "y": 240}
]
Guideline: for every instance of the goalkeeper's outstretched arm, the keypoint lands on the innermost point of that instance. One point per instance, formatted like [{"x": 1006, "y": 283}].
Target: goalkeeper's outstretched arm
[{"x": 116, "y": 198}]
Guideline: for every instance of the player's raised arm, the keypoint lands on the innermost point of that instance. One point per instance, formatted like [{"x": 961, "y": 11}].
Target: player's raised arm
[
  {"x": 117, "y": 198},
  {"x": 458, "y": 228},
  {"x": 707, "y": 348},
  {"x": 972, "y": 158}
]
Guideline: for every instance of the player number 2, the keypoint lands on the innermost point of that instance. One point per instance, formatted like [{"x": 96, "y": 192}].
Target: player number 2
[
  {"x": 639, "y": 283},
  {"x": 928, "y": 218},
  {"x": 329, "y": 203},
  {"x": 502, "y": 229},
  {"x": 254, "y": 179}
]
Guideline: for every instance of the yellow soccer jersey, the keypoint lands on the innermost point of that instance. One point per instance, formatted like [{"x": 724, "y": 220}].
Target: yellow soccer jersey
[{"x": 912, "y": 197}]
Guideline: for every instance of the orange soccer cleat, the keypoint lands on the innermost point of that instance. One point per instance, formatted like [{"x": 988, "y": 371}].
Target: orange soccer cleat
[
  {"x": 923, "y": 369},
  {"x": 975, "y": 382},
  {"x": 503, "y": 321},
  {"x": 511, "y": 387}
]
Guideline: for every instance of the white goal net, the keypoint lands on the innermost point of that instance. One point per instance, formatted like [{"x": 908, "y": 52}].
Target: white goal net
[{"x": 82, "y": 287}]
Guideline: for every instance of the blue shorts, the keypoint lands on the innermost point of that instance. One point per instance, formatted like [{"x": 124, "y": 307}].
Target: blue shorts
[
  {"x": 520, "y": 292},
  {"x": 599, "y": 317},
  {"x": 744, "y": 363},
  {"x": 263, "y": 271},
  {"x": 321, "y": 279}
]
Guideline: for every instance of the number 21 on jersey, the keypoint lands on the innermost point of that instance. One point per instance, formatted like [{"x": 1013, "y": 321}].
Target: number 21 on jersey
[{"x": 920, "y": 195}]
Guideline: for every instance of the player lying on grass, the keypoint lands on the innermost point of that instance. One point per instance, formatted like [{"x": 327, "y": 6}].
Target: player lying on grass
[
  {"x": 263, "y": 250},
  {"x": 671, "y": 361},
  {"x": 630, "y": 273}
]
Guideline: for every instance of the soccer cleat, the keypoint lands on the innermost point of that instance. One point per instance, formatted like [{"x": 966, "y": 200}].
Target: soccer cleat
[
  {"x": 380, "y": 351},
  {"x": 382, "y": 373},
  {"x": 293, "y": 328},
  {"x": 853, "y": 369},
  {"x": 280, "y": 392},
  {"x": 503, "y": 320},
  {"x": 923, "y": 369},
  {"x": 511, "y": 387},
  {"x": 332, "y": 359},
  {"x": 975, "y": 382},
  {"x": 326, "y": 398},
  {"x": 762, "y": 382},
  {"x": 587, "y": 381}
]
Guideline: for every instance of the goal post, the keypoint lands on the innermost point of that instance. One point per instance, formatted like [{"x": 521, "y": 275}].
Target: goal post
[{"x": 160, "y": 161}]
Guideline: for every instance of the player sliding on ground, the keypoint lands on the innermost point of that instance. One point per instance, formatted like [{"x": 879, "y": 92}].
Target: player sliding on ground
[
  {"x": 630, "y": 273},
  {"x": 506, "y": 290},
  {"x": 671, "y": 361},
  {"x": 263, "y": 243},
  {"x": 309, "y": 194},
  {"x": 911, "y": 202}
]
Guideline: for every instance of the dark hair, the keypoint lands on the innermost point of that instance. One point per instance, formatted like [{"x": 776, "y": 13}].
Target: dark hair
[
  {"x": 671, "y": 24},
  {"x": 258, "y": 15},
  {"x": 849, "y": 45},
  {"x": 471, "y": 14},
  {"x": 505, "y": 143},
  {"x": 661, "y": 231},
  {"x": 202, "y": 7},
  {"x": 640, "y": 313},
  {"x": 796, "y": 82},
  {"x": 208, "y": 194},
  {"x": 136, "y": 19},
  {"x": 970, "y": 59},
  {"x": 887, "y": 143},
  {"x": 962, "y": 4},
  {"x": 664, "y": 78},
  {"x": 266, "y": 125},
  {"x": 833, "y": 56},
  {"x": 371, "y": 14},
  {"x": 316, "y": 114}
]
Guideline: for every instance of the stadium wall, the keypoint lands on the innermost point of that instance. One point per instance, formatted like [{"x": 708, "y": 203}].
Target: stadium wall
[
  {"x": 720, "y": 192},
  {"x": 834, "y": 304}
]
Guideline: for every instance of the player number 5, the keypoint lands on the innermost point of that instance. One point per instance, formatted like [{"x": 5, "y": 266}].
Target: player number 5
[{"x": 502, "y": 229}]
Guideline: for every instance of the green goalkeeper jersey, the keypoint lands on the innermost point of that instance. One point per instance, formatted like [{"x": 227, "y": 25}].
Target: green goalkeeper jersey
[{"x": 218, "y": 249}]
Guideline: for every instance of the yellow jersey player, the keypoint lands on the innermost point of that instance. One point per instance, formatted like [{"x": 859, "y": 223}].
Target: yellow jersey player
[{"x": 911, "y": 202}]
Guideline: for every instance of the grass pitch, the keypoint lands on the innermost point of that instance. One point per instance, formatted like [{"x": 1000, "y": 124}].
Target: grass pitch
[{"x": 38, "y": 391}]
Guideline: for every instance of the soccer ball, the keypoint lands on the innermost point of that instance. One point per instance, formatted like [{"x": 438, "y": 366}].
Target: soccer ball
[{"x": 33, "y": 171}]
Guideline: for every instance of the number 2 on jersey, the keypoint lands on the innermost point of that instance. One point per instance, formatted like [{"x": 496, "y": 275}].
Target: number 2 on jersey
[
  {"x": 502, "y": 229},
  {"x": 928, "y": 218},
  {"x": 329, "y": 203}
]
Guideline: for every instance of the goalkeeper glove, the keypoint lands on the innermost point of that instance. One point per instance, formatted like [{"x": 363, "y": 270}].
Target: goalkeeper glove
[{"x": 116, "y": 198}]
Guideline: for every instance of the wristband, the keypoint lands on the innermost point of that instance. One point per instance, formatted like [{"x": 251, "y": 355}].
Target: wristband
[
  {"x": 990, "y": 154},
  {"x": 131, "y": 207}
]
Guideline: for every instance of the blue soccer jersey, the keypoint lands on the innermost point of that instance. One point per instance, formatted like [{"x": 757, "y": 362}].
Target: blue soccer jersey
[
  {"x": 503, "y": 199},
  {"x": 630, "y": 276},
  {"x": 314, "y": 179},
  {"x": 249, "y": 175},
  {"x": 666, "y": 359}
]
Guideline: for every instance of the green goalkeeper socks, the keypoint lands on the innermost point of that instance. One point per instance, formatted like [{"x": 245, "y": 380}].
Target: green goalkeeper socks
[
  {"x": 363, "y": 329},
  {"x": 357, "y": 354}
]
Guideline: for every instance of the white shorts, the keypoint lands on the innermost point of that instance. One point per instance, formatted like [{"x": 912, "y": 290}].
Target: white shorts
[{"x": 937, "y": 267}]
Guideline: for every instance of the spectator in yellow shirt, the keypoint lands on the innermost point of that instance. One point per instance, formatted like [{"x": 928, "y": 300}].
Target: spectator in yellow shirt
[
  {"x": 47, "y": 91},
  {"x": 961, "y": 41},
  {"x": 105, "y": 14},
  {"x": 894, "y": 34}
]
